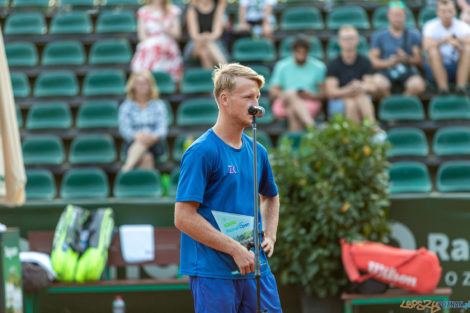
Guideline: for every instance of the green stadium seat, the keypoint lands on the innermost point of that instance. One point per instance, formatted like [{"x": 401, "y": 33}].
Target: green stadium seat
[
  {"x": 19, "y": 117},
  {"x": 454, "y": 176},
  {"x": 43, "y": 149},
  {"x": 316, "y": 49},
  {"x": 174, "y": 178},
  {"x": 122, "y": 2},
  {"x": 92, "y": 149},
  {"x": 116, "y": 22},
  {"x": 181, "y": 141},
  {"x": 265, "y": 72},
  {"x": 350, "y": 15},
  {"x": 138, "y": 183},
  {"x": 104, "y": 83},
  {"x": 56, "y": 83},
  {"x": 165, "y": 82},
  {"x": 21, "y": 54},
  {"x": 29, "y": 3},
  {"x": 66, "y": 52},
  {"x": 111, "y": 51},
  {"x": 78, "y": 3},
  {"x": 379, "y": 18},
  {"x": 261, "y": 137},
  {"x": 197, "y": 80},
  {"x": 452, "y": 141},
  {"x": 80, "y": 183},
  {"x": 20, "y": 84},
  {"x": 333, "y": 49},
  {"x": 253, "y": 50},
  {"x": 4, "y": 3},
  {"x": 268, "y": 114},
  {"x": 51, "y": 115},
  {"x": 25, "y": 23},
  {"x": 40, "y": 185},
  {"x": 73, "y": 22},
  {"x": 301, "y": 18},
  {"x": 195, "y": 112},
  {"x": 401, "y": 108},
  {"x": 449, "y": 108},
  {"x": 409, "y": 177},
  {"x": 294, "y": 137},
  {"x": 407, "y": 141},
  {"x": 98, "y": 113},
  {"x": 426, "y": 14}
]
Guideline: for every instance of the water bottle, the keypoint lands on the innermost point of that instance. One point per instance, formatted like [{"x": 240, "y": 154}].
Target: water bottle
[{"x": 118, "y": 305}]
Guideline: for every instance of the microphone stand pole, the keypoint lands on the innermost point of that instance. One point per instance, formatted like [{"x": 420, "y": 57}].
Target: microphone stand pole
[{"x": 256, "y": 232}]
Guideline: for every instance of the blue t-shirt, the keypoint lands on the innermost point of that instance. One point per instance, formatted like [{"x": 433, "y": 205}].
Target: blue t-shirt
[
  {"x": 220, "y": 178},
  {"x": 388, "y": 44}
]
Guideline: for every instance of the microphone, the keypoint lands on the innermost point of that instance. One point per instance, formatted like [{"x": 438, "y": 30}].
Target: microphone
[{"x": 256, "y": 110}]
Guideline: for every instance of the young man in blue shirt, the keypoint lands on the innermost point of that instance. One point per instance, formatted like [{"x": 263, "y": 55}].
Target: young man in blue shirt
[{"x": 214, "y": 204}]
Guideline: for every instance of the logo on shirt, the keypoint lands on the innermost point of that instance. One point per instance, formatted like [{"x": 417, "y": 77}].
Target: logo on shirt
[{"x": 232, "y": 169}]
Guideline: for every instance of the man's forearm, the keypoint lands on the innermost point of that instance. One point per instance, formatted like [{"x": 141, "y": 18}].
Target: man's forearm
[
  {"x": 194, "y": 225},
  {"x": 270, "y": 215}
]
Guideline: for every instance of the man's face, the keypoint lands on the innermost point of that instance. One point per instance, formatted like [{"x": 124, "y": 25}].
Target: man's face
[
  {"x": 446, "y": 13},
  {"x": 348, "y": 39},
  {"x": 397, "y": 17},
  {"x": 245, "y": 94},
  {"x": 300, "y": 55}
]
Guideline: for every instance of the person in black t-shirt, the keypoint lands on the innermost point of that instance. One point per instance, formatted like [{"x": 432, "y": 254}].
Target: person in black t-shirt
[{"x": 349, "y": 79}]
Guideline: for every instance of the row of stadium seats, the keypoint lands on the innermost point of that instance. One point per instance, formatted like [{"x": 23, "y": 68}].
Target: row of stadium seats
[
  {"x": 304, "y": 18},
  {"x": 104, "y": 114},
  {"x": 86, "y": 3},
  {"x": 119, "y": 51},
  {"x": 413, "y": 177},
  {"x": 92, "y": 183},
  {"x": 447, "y": 141}
]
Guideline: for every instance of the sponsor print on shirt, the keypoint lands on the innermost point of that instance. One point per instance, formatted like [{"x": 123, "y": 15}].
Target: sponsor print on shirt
[{"x": 237, "y": 226}]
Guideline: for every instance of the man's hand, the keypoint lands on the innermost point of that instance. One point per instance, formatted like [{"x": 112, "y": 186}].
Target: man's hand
[
  {"x": 393, "y": 60},
  {"x": 402, "y": 56},
  {"x": 245, "y": 260},
  {"x": 268, "y": 245}
]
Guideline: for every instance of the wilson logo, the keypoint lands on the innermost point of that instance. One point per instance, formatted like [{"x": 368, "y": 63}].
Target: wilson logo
[{"x": 390, "y": 274}]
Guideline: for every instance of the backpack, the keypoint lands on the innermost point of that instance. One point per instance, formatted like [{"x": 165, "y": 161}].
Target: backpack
[
  {"x": 81, "y": 242},
  {"x": 414, "y": 270}
]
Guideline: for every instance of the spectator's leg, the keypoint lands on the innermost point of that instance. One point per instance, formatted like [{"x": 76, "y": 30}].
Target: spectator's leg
[
  {"x": 365, "y": 107},
  {"x": 437, "y": 68},
  {"x": 383, "y": 85},
  {"x": 202, "y": 52},
  {"x": 147, "y": 161},
  {"x": 352, "y": 111},
  {"x": 297, "y": 112},
  {"x": 463, "y": 67},
  {"x": 415, "y": 86},
  {"x": 216, "y": 55},
  {"x": 134, "y": 155}
]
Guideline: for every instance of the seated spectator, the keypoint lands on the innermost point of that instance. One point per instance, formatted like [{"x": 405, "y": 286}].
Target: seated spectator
[
  {"x": 464, "y": 6},
  {"x": 349, "y": 79},
  {"x": 257, "y": 17},
  {"x": 446, "y": 40},
  {"x": 395, "y": 52},
  {"x": 158, "y": 30},
  {"x": 143, "y": 122},
  {"x": 296, "y": 86},
  {"x": 205, "y": 26}
]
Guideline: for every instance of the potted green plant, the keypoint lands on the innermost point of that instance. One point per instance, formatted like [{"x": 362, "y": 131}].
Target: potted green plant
[{"x": 333, "y": 185}]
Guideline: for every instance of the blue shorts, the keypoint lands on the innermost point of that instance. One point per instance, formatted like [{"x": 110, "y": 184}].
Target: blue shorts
[
  {"x": 214, "y": 295},
  {"x": 451, "y": 69}
]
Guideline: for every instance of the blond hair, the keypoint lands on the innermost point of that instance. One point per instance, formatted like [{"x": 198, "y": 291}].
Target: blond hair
[
  {"x": 166, "y": 5},
  {"x": 225, "y": 74},
  {"x": 130, "y": 91}
]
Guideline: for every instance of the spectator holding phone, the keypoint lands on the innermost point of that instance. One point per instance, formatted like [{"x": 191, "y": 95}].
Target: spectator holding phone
[{"x": 296, "y": 86}]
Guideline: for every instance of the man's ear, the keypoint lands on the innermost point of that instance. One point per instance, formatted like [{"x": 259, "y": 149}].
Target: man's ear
[{"x": 223, "y": 99}]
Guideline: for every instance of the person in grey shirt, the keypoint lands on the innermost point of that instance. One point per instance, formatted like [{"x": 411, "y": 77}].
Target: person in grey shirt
[
  {"x": 143, "y": 122},
  {"x": 395, "y": 53}
]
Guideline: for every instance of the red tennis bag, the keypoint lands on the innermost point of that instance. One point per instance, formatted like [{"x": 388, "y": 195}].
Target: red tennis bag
[{"x": 414, "y": 270}]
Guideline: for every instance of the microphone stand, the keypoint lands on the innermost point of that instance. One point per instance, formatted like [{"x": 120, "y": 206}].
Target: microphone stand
[{"x": 256, "y": 232}]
